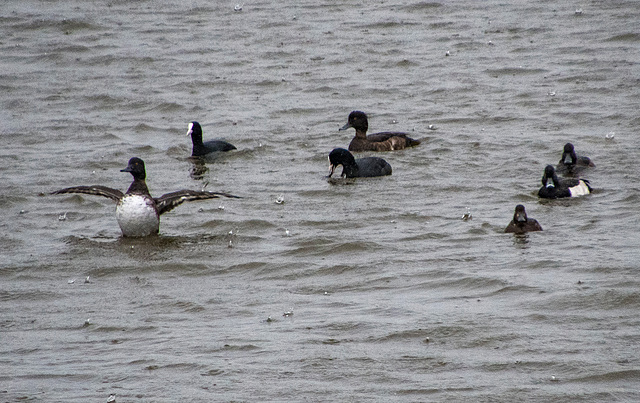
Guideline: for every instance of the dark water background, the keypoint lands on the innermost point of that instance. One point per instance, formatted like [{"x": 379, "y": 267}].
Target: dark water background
[{"x": 393, "y": 296}]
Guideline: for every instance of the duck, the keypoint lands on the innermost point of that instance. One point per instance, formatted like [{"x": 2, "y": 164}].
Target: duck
[
  {"x": 571, "y": 163},
  {"x": 137, "y": 212},
  {"x": 355, "y": 168},
  {"x": 554, "y": 188},
  {"x": 384, "y": 141},
  {"x": 521, "y": 223},
  {"x": 201, "y": 149}
]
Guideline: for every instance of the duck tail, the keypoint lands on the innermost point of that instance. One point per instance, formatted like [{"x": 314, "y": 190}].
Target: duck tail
[{"x": 411, "y": 142}]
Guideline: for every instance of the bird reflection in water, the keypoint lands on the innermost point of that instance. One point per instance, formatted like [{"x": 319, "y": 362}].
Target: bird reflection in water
[
  {"x": 521, "y": 241},
  {"x": 198, "y": 168}
]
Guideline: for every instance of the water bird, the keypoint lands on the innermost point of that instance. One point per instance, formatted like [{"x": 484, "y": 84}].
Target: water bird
[
  {"x": 137, "y": 213},
  {"x": 384, "y": 141},
  {"x": 201, "y": 149},
  {"x": 571, "y": 163},
  {"x": 521, "y": 223},
  {"x": 554, "y": 188},
  {"x": 361, "y": 167}
]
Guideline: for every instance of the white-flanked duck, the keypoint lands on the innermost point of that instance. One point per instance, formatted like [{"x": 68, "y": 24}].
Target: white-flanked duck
[
  {"x": 137, "y": 213},
  {"x": 554, "y": 188}
]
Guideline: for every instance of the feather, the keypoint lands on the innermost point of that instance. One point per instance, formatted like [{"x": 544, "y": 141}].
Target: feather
[
  {"x": 169, "y": 201},
  {"x": 97, "y": 190}
]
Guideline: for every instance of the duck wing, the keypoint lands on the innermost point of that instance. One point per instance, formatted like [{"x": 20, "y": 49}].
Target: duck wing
[
  {"x": 97, "y": 190},
  {"x": 586, "y": 161},
  {"x": 218, "y": 145},
  {"x": 571, "y": 182},
  {"x": 373, "y": 166},
  {"x": 393, "y": 140},
  {"x": 169, "y": 201},
  {"x": 211, "y": 146},
  {"x": 384, "y": 136}
]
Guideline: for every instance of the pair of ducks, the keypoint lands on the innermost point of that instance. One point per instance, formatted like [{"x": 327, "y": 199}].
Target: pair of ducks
[
  {"x": 554, "y": 187},
  {"x": 570, "y": 165},
  {"x": 367, "y": 166},
  {"x": 138, "y": 213}
]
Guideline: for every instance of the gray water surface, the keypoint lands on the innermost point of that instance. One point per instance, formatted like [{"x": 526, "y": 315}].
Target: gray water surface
[{"x": 365, "y": 290}]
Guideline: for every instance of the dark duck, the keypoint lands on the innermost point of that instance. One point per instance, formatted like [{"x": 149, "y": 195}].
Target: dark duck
[
  {"x": 554, "y": 188},
  {"x": 201, "y": 149},
  {"x": 137, "y": 213},
  {"x": 384, "y": 141},
  {"x": 361, "y": 167},
  {"x": 521, "y": 223},
  {"x": 571, "y": 163}
]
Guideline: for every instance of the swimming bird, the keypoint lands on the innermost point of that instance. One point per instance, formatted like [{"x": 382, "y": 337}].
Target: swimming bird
[
  {"x": 137, "y": 213},
  {"x": 361, "y": 167},
  {"x": 571, "y": 163},
  {"x": 521, "y": 223},
  {"x": 384, "y": 141},
  {"x": 199, "y": 148},
  {"x": 553, "y": 187}
]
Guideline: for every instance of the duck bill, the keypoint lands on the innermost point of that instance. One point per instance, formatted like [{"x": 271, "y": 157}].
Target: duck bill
[
  {"x": 190, "y": 131},
  {"x": 520, "y": 217},
  {"x": 345, "y": 127},
  {"x": 331, "y": 169},
  {"x": 568, "y": 159}
]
